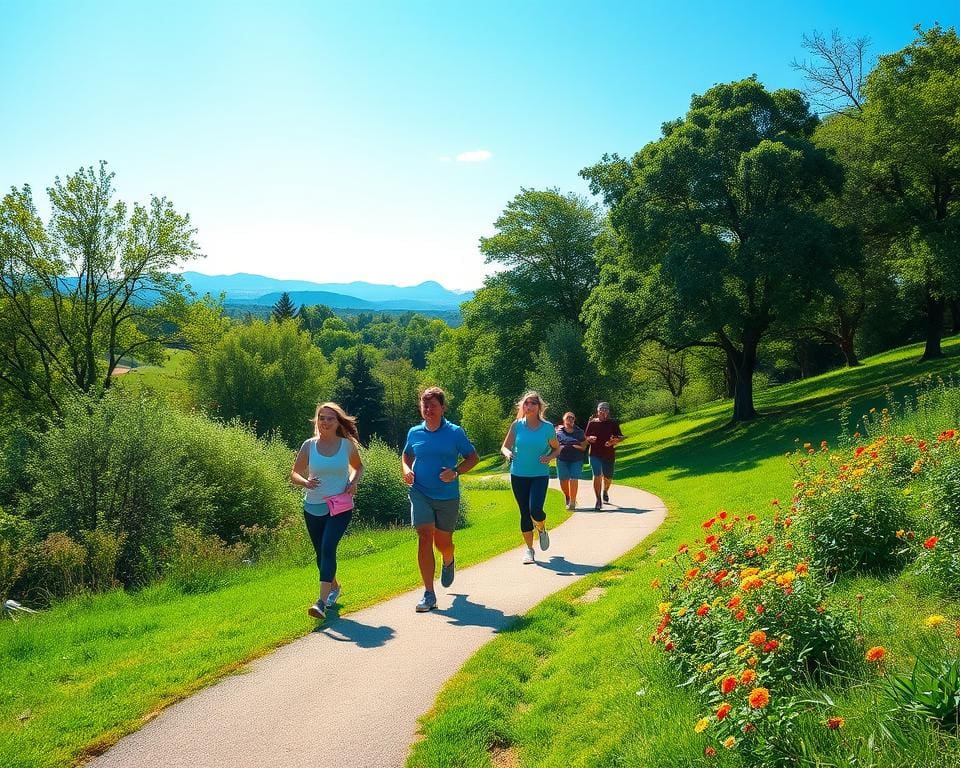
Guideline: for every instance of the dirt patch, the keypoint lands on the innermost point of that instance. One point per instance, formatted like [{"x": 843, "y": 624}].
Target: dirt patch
[
  {"x": 591, "y": 595},
  {"x": 502, "y": 756},
  {"x": 120, "y": 370}
]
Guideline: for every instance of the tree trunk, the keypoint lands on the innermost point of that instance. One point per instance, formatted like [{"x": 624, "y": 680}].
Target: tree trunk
[
  {"x": 742, "y": 364},
  {"x": 848, "y": 330},
  {"x": 934, "y": 329},
  {"x": 955, "y": 315}
]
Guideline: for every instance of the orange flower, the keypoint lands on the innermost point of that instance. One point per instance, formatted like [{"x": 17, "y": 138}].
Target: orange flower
[
  {"x": 655, "y": 584},
  {"x": 733, "y": 602},
  {"x": 877, "y": 653},
  {"x": 770, "y": 646},
  {"x": 729, "y": 742},
  {"x": 740, "y": 615},
  {"x": 931, "y": 542},
  {"x": 700, "y": 556},
  {"x": 683, "y": 548},
  {"x": 802, "y": 568},
  {"x": 703, "y": 610},
  {"x": 835, "y": 723},
  {"x": 758, "y": 637},
  {"x": 708, "y": 523},
  {"x": 693, "y": 573},
  {"x": 748, "y": 677},
  {"x": 759, "y": 698},
  {"x": 710, "y": 752},
  {"x": 728, "y": 684},
  {"x": 723, "y": 710}
]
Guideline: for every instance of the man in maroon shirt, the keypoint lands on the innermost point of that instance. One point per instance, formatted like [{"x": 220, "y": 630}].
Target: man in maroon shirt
[{"x": 603, "y": 434}]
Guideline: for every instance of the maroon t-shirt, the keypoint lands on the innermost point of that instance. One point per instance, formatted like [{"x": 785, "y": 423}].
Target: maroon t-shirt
[{"x": 604, "y": 430}]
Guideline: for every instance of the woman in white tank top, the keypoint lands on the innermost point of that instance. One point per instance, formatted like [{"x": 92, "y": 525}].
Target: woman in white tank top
[{"x": 328, "y": 464}]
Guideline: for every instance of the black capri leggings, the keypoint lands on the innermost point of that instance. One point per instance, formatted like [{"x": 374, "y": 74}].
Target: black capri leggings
[
  {"x": 325, "y": 533},
  {"x": 530, "y": 493}
]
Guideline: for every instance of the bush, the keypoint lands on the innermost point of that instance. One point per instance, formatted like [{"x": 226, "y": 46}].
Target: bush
[
  {"x": 852, "y": 506},
  {"x": 382, "y": 496},
  {"x": 130, "y": 468},
  {"x": 62, "y": 559}
]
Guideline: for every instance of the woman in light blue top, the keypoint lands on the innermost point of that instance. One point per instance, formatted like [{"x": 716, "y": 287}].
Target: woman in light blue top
[
  {"x": 530, "y": 445},
  {"x": 328, "y": 464}
]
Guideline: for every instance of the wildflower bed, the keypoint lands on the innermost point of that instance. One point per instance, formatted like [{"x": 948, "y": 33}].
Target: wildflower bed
[{"x": 751, "y": 618}]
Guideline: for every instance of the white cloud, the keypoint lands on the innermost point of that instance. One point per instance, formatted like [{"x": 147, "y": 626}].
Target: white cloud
[{"x": 475, "y": 156}]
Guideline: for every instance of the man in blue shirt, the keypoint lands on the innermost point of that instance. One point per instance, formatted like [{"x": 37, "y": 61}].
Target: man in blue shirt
[{"x": 431, "y": 469}]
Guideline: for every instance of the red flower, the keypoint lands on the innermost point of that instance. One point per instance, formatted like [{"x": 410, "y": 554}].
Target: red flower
[
  {"x": 723, "y": 710},
  {"x": 771, "y": 645},
  {"x": 703, "y": 610},
  {"x": 709, "y": 523},
  {"x": 710, "y": 752},
  {"x": 931, "y": 542},
  {"x": 876, "y": 654},
  {"x": 727, "y": 685},
  {"x": 835, "y": 723}
]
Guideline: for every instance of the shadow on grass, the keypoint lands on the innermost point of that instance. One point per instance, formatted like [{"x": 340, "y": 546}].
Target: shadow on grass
[
  {"x": 351, "y": 631},
  {"x": 718, "y": 446}
]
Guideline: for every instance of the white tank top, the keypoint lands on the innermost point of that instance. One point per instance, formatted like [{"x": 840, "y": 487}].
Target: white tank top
[{"x": 332, "y": 471}]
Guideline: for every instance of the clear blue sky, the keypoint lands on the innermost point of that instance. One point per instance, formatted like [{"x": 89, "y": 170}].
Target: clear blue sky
[{"x": 320, "y": 140}]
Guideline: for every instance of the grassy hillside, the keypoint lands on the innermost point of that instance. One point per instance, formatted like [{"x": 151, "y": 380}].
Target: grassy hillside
[
  {"x": 167, "y": 379},
  {"x": 577, "y": 684}
]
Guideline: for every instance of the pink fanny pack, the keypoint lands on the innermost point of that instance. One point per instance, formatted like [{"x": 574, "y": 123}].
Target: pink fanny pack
[{"x": 339, "y": 503}]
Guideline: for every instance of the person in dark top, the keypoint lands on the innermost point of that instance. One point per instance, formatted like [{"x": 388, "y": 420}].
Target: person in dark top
[
  {"x": 603, "y": 434},
  {"x": 573, "y": 444}
]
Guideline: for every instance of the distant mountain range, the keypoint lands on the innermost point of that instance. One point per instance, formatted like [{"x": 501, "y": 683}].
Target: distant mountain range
[{"x": 243, "y": 288}]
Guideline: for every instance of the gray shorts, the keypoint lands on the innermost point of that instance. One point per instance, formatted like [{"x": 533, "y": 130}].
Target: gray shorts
[{"x": 442, "y": 513}]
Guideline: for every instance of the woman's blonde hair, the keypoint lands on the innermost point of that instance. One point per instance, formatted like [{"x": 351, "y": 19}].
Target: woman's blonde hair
[
  {"x": 541, "y": 411},
  {"x": 346, "y": 425}
]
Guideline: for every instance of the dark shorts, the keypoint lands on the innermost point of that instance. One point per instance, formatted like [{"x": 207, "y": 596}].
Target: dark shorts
[
  {"x": 441, "y": 513},
  {"x": 602, "y": 466}
]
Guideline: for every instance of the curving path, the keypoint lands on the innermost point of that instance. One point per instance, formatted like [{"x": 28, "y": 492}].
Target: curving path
[{"x": 349, "y": 694}]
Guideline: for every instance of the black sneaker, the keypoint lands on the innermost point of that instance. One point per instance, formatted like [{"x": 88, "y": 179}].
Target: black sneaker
[
  {"x": 317, "y": 610},
  {"x": 446, "y": 574},
  {"x": 606, "y": 497},
  {"x": 598, "y": 506}
]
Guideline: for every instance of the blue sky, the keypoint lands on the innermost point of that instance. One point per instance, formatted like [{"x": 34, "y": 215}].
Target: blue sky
[{"x": 320, "y": 140}]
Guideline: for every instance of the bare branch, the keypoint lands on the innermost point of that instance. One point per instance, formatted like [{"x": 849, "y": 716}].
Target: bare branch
[{"x": 835, "y": 73}]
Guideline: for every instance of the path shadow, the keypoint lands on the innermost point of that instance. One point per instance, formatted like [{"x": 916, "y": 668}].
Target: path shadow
[
  {"x": 463, "y": 612},
  {"x": 563, "y": 567},
  {"x": 607, "y": 510},
  {"x": 351, "y": 631}
]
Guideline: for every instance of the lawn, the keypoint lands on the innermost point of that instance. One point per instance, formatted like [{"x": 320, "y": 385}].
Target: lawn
[{"x": 576, "y": 683}]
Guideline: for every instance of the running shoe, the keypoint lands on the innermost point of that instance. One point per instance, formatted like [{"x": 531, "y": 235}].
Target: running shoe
[
  {"x": 317, "y": 610},
  {"x": 528, "y": 558},
  {"x": 446, "y": 574},
  {"x": 427, "y": 603},
  {"x": 544, "y": 539},
  {"x": 332, "y": 597},
  {"x": 606, "y": 497}
]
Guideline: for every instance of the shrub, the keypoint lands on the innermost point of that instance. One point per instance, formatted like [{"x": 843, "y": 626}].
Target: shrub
[
  {"x": 102, "y": 553},
  {"x": 62, "y": 560},
  {"x": 382, "y": 496},
  {"x": 941, "y": 477},
  {"x": 851, "y": 506}
]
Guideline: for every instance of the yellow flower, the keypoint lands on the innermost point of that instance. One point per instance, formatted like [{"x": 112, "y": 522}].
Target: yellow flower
[
  {"x": 706, "y": 667},
  {"x": 729, "y": 742},
  {"x": 702, "y": 724},
  {"x": 681, "y": 611},
  {"x": 664, "y": 607},
  {"x": 934, "y": 621}
]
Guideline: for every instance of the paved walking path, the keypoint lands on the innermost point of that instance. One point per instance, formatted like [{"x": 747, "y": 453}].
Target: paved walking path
[{"x": 349, "y": 694}]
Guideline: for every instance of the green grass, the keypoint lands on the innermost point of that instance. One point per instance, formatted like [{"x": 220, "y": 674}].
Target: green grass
[
  {"x": 577, "y": 683},
  {"x": 79, "y": 676},
  {"x": 167, "y": 379}
]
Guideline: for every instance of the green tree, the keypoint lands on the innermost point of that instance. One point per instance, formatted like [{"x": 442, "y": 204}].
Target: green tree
[
  {"x": 90, "y": 287},
  {"x": 284, "y": 309},
  {"x": 483, "y": 421},
  {"x": 564, "y": 375},
  {"x": 268, "y": 375},
  {"x": 545, "y": 241},
  {"x": 400, "y": 380},
  {"x": 719, "y": 241},
  {"x": 360, "y": 393},
  {"x": 335, "y": 334},
  {"x": 913, "y": 140},
  {"x": 311, "y": 318}
]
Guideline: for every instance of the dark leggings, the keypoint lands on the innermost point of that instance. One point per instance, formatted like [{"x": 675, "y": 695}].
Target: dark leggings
[
  {"x": 530, "y": 493},
  {"x": 325, "y": 533}
]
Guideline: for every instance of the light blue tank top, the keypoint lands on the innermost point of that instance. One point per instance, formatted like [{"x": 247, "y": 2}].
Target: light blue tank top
[
  {"x": 528, "y": 446},
  {"x": 332, "y": 471}
]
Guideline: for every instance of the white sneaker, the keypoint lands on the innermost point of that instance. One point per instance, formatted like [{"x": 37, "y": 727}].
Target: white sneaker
[{"x": 528, "y": 558}]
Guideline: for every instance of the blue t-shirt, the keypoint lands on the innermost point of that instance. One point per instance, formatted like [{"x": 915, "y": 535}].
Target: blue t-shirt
[
  {"x": 528, "y": 446},
  {"x": 431, "y": 452}
]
